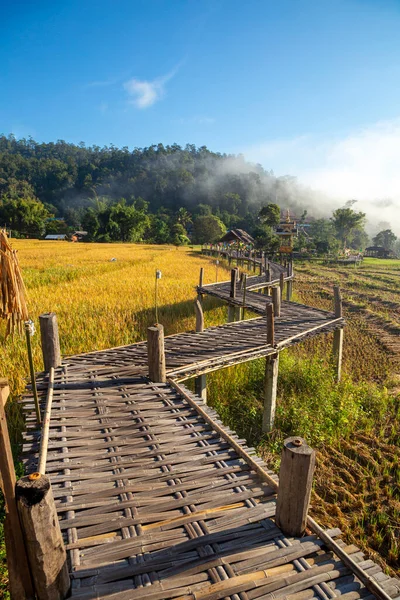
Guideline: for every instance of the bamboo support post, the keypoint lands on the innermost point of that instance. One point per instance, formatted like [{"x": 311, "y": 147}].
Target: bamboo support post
[
  {"x": 267, "y": 279},
  {"x": 276, "y": 301},
  {"x": 270, "y": 324},
  {"x": 50, "y": 340},
  {"x": 289, "y": 290},
  {"x": 201, "y": 282},
  {"x": 232, "y": 294},
  {"x": 44, "y": 542},
  {"x": 282, "y": 283},
  {"x": 338, "y": 335},
  {"x": 20, "y": 581},
  {"x": 295, "y": 483},
  {"x": 244, "y": 296},
  {"x": 270, "y": 387},
  {"x": 338, "y": 301},
  {"x": 199, "y": 316},
  {"x": 200, "y": 382},
  {"x": 46, "y": 425},
  {"x": 156, "y": 353}
]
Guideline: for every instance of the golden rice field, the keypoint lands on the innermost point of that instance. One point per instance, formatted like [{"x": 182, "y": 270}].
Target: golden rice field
[
  {"x": 103, "y": 295},
  {"x": 101, "y": 303}
]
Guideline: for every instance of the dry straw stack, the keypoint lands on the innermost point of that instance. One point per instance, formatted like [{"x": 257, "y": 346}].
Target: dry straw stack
[{"x": 13, "y": 306}]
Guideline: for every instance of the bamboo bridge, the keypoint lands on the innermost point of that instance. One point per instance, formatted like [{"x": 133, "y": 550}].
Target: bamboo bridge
[{"x": 155, "y": 497}]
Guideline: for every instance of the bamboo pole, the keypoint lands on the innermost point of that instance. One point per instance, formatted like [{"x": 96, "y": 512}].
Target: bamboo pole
[
  {"x": 244, "y": 296},
  {"x": 338, "y": 335},
  {"x": 46, "y": 425},
  {"x": 270, "y": 324},
  {"x": 29, "y": 330}
]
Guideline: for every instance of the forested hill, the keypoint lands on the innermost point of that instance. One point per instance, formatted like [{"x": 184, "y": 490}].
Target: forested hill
[{"x": 67, "y": 176}]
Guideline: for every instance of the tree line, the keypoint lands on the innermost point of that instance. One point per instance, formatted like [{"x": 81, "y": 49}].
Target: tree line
[{"x": 160, "y": 194}]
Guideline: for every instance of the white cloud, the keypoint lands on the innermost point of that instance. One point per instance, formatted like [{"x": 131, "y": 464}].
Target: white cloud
[
  {"x": 146, "y": 93},
  {"x": 365, "y": 165}
]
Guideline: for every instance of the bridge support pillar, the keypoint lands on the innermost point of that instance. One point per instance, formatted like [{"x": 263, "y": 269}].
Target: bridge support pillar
[
  {"x": 338, "y": 353},
  {"x": 200, "y": 382},
  {"x": 338, "y": 336},
  {"x": 289, "y": 290},
  {"x": 270, "y": 386},
  {"x": 232, "y": 294},
  {"x": 200, "y": 387}
]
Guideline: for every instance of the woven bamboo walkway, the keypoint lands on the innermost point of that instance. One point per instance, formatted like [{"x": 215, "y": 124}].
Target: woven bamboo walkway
[{"x": 157, "y": 499}]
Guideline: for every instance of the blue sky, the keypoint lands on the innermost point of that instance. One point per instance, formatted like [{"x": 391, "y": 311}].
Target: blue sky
[{"x": 307, "y": 87}]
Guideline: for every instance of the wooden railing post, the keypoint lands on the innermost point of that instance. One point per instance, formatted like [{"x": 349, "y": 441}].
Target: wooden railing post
[
  {"x": 289, "y": 283},
  {"x": 50, "y": 340},
  {"x": 244, "y": 295},
  {"x": 270, "y": 324},
  {"x": 44, "y": 542},
  {"x": 19, "y": 575},
  {"x": 199, "y": 316},
  {"x": 338, "y": 335},
  {"x": 156, "y": 354},
  {"x": 282, "y": 283},
  {"x": 232, "y": 294},
  {"x": 200, "y": 382},
  {"x": 267, "y": 279},
  {"x": 295, "y": 482},
  {"x": 201, "y": 282},
  {"x": 276, "y": 301}
]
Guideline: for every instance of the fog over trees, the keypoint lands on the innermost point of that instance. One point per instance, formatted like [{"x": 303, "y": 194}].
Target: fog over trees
[{"x": 159, "y": 194}]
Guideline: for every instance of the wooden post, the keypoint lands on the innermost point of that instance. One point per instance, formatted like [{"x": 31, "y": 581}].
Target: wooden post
[
  {"x": 270, "y": 387},
  {"x": 244, "y": 296},
  {"x": 232, "y": 294},
  {"x": 270, "y": 324},
  {"x": 44, "y": 542},
  {"x": 282, "y": 283},
  {"x": 267, "y": 278},
  {"x": 261, "y": 263},
  {"x": 50, "y": 340},
  {"x": 20, "y": 581},
  {"x": 338, "y": 336},
  {"x": 199, "y": 316},
  {"x": 276, "y": 301},
  {"x": 201, "y": 280},
  {"x": 156, "y": 353},
  {"x": 289, "y": 288},
  {"x": 295, "y": 482},
  {"x": 200, "y": 382}
]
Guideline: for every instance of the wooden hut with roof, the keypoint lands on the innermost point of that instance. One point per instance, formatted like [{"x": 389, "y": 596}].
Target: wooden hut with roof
[{"x": 238, "y": 236}]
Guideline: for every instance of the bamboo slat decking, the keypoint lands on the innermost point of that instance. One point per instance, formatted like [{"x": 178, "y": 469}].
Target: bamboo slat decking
[{"x": 157, "y": 499}]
